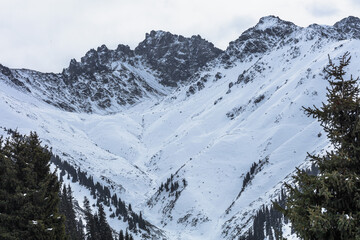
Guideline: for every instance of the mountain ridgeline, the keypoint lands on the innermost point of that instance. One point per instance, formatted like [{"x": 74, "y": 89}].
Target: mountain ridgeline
[
  {"x": 107, "y": 80},
  {"x": 177, "y": 139}
]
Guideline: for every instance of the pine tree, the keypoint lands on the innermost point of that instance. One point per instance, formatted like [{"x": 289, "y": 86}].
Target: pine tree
[
  {"x": 71, "y": 218},
  {"x": 9, "y": 190},
  {"x": 96, "y": 235},
  {"x": 29, "y": 202},
  {"x": 80, "y": 229},
  {"x": 142, "y": 223},
  {"x": 67, "y": 209},
  {"x": 104, "y": 228},
  {"x": 121, "y": 235},
  {"x": 327, "y": 206},
  {"x": 90, "y": 221}
]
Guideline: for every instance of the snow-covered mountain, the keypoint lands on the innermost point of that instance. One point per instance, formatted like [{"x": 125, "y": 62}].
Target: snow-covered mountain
[
  {"x": 105, "y": 81},
  {"x": 174, "y": 126}
]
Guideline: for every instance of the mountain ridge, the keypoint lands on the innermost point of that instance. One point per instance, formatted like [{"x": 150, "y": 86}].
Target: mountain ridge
[
  {"x": 241, "y": 109},
  {"x": 170, "y": 60}
]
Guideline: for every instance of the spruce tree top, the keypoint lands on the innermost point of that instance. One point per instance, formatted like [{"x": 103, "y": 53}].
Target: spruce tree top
[{"x": 327, "y": 206}]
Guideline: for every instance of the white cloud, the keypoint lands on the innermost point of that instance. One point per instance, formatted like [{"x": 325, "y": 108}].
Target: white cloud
[
  {"x": 356, "y": 2},
  {"x": 45, "y": 34},
  {"x": 323, "y": 8}
]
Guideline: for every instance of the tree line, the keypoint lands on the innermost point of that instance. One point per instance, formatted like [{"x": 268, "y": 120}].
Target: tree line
[
  {"x": 102, "y": 194},
  {"x": 29, "y": 192},
  {"x": 32, "y": 205}
]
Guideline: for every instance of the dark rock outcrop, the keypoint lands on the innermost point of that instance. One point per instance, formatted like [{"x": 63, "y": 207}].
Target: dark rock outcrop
[
  {"x": 175, "y": 57},
  {"x": 267, "y": 33}
]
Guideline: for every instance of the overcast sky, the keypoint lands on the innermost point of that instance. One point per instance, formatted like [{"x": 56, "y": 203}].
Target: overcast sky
[{"x": 45, "y": 34}]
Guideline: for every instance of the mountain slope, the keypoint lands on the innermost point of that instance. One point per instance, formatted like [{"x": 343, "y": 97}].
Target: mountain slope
[
  {"x": 108, "y": 81},
  {"x": 181, "y": 156}
]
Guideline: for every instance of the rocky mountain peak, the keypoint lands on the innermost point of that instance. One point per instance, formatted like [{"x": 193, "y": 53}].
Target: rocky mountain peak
[
  {"x": 102, "y": 48},
  {"x": 96, "y": 61},
  {"x": 272, "y": 22},
  {"x": 268, "y": 32},
  {"x": 160, "y": 37},
  {"x": 349, "y": 27},
  {"x": 124, "y": 50},
  {"x": 91, "y": 54},
  {"x": 175, "y": 57},
  {"x": 350, "y": 21},
  {"x": 5, "y": 70}
]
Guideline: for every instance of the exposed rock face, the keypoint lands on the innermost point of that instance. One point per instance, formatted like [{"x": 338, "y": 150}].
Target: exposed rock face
[
  {"x": 107, "y": 80},
  {"x": 271, "y": 31},
  {"x": 174, "y": 56},
  {"x": 349, "y": 27},
  {"x": 97, "y": 61},
  {"x": 103, "y": 81},
  {"x": 264, "y": 36}
]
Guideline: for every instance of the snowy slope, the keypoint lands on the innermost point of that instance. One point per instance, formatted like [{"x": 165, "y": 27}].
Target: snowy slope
[
  {"x": 213, "y": 153},
  {"x": 245, "y": 107}
]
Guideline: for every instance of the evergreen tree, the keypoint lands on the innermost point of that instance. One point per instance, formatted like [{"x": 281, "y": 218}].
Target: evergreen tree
[
  {"x": 121, "y": 235},
  {"x": 80, "y": 229},
  {"x": 67, "y": 209},
  {"x": 96, "y": 235},
  {"x": 29, "y": 193},
  {"x": 104, "y": 228},
  {"x": 142, "y": 223},
  {"x": 90, "y": 221},
  {"x": 9, "y": 190},
  {"x": 71, "y": 218},
  {"x": 326, "y": 206}
]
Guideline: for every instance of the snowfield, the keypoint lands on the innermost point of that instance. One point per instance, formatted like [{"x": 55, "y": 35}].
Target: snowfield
[{"x": 211, "y": 138}]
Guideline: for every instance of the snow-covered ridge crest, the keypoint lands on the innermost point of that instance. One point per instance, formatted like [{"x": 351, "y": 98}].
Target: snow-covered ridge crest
[
  {"x": 272, "y": 32},
  {"x": 265, "y": 35},
  {"x": 107, "y": 81},
  {"x": 271, "y": 21}
]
